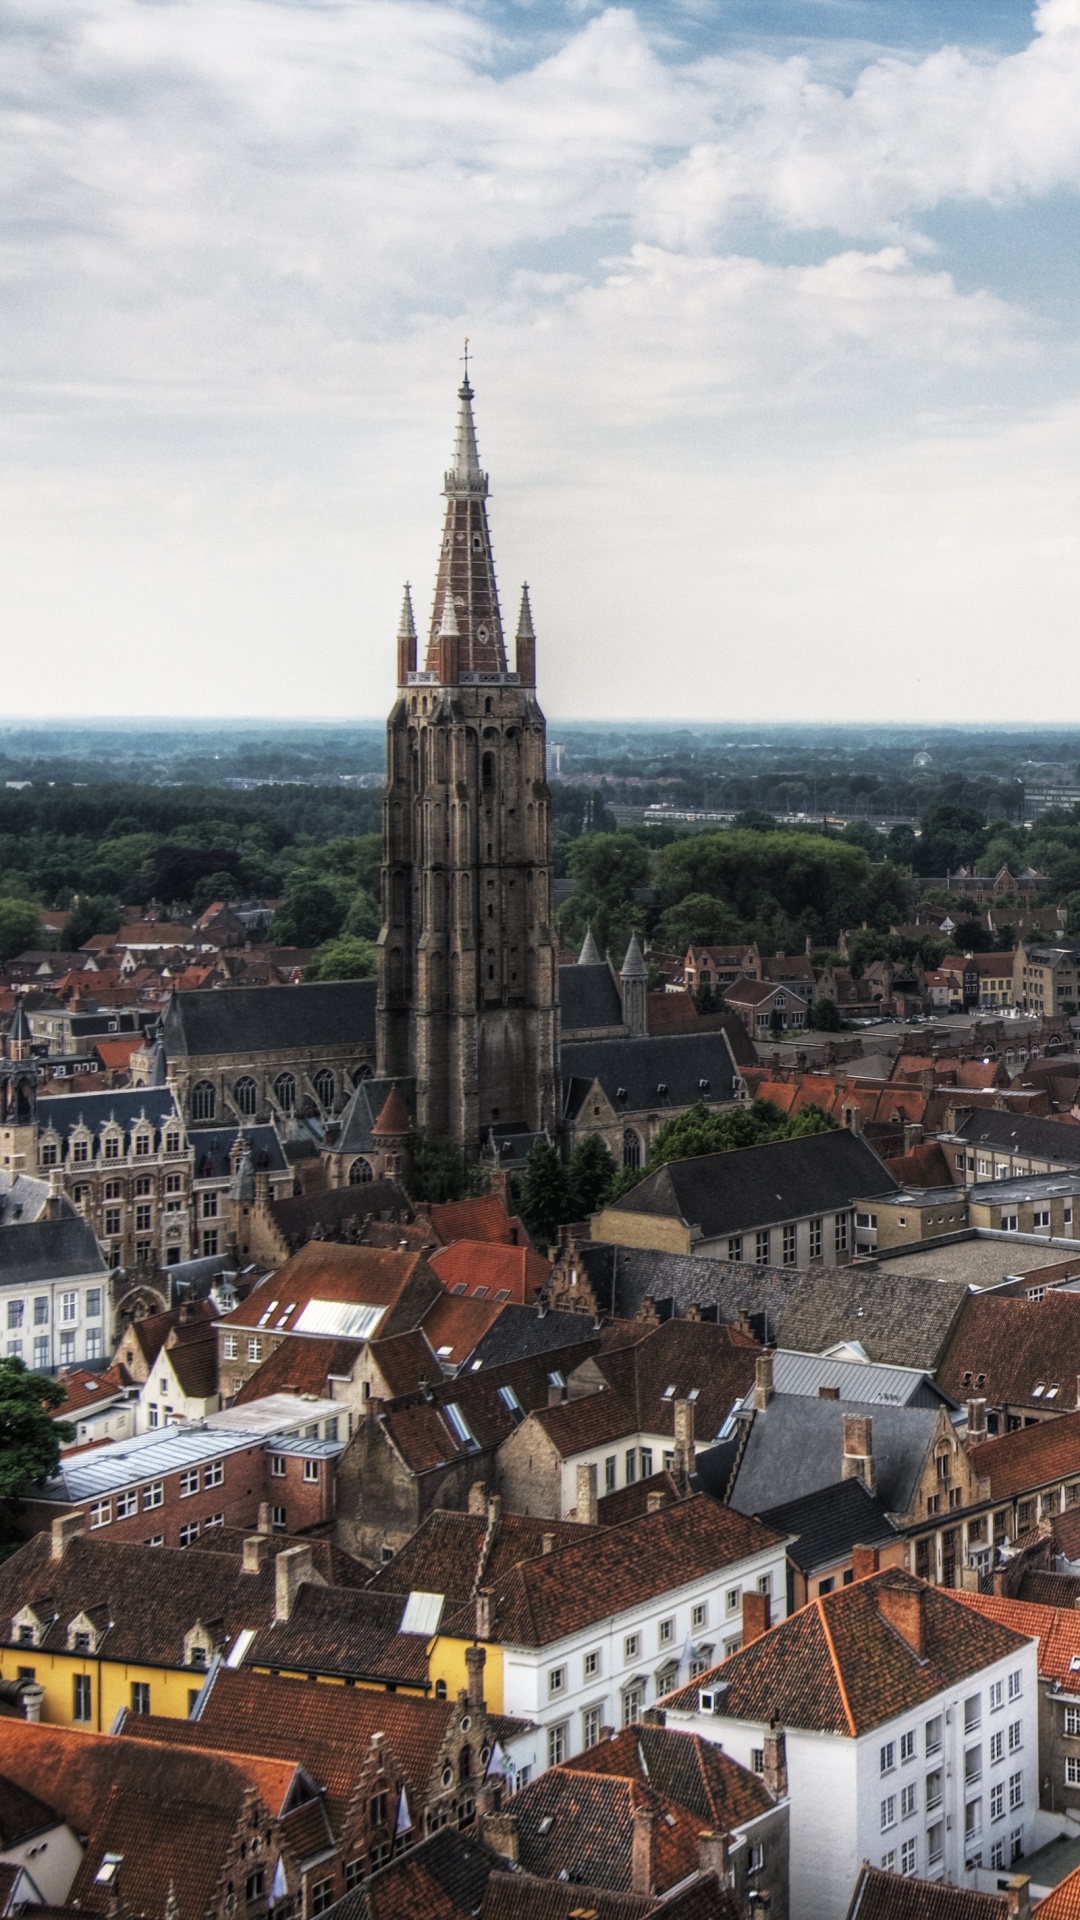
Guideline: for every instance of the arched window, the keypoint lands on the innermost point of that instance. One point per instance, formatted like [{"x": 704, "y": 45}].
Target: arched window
[
  {"x": 325, "y": 1087},
  {"x": 360, "y": 1173},
  {"x": 285, "y": 1092},
  {"x": 360, "y": 1074},
  {"x": 203, "y": 1100},
  {"x": 488, "y": 770},
  {"x": 246, "y": 1095},
  {"x": 631, "y": 1148}
]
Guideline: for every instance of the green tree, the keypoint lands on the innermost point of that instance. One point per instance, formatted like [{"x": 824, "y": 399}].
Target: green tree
[
  {"x": 703, "y": 1129},
  {"x": 94, "y": 914},
  {"x": 591, "y": 1176},
  {"x": 441, "y": 1171},
  {"x": 824, "y": 1015},
  {"x": 546, "y": 1199},
  {"x": 20, "y": 928},
  {"x": 216, "y": 886},
  {"x": 346, "y": 958},
  {"x": 363, "y": 916},
  {"x": 701, "y": 920},
  {"x": 607, "y": 868},
  {"x": 309, "y": 915},
  {"x": 30, "y": 1439}
]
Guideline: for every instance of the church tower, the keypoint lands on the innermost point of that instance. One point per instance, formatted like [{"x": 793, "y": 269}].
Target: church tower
[{"x": 468, "y": 954}]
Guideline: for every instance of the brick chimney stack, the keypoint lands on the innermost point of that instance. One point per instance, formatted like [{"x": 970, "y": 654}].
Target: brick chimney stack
[
  {"x": 904, "y": 1607},
  {"x": 67, "y": 1527},
  {"x": 587, "y": 1507},
  {"x": 291, "y": 1569},
  {"x": 864, "y": 1562},
  {"x": 763, "y": 1381},
  {"x": 774, "y": 1773},
  {"x": 642, "y": 1851},
  {"x": 1018, "y": 1897},
  {"x": 976, "y": 1420},
  {"x": 755, "y": 1616},
  {"x": 499, "y": 1831},
  {"x": 475, "y": 1658},
  {"x": 858, "y": 1460},
  {"x": 713, "y": 1854},
  {"x": 685, "y": 1450}
]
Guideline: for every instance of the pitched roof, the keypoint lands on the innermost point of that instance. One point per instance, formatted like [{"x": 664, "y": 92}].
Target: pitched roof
[
  {"x": 688, "y": 1067},
  {"x": 491, "y": 1270},
  {"x": 332, "y": 1272},
  {"x": 85, "y": 1389},
  {"x": 698, "y": 1360},
  {"x": 695, "y": 1773},
  {"x": 1015, "y": 1351},
  {"x": 393, "y": 1117},
  {"x": 840, "y": 1666},
  {"x": 827, "y": 1524},
  {"x": 588, "y": 1420},
  {"x": 1016, "y": 1462},
  {"x": 126, "y": 1106},
  {"x": 449, "y": 1551},
  {"x": 1062, "y": 1903},
  {"x": 301, "y": 1366},
  {"x": 151, "y": 1332},
  {"x": 453, "y": 1326},
  {"x": 880, "y": 1895},
  {"x": 261, "y": 1020},
  {"x": 723, "y": 1193},
  {"x": 522, "y": 1896},
  {"x": 443, "y": 1878},
  {"x": 1016, "y": 1133},
  {"x": 620, "y": 1567},
  {"x": 533, "y": 1333},
  {"x": 482, "y": 1217},
  {"x": 337, "y": 1568},
  {"x": 797, "y": 1443},
  {"x": 346, "y": 1631},
  {"x": 582, "y": 1825},
  {"x": 589, "y": 998},
  {"x": 1057, "y": 1630},
  {"x": 326, "y": 1729},
  {"x": 33, "y": 1252},
  {"x": 22, "y": 1814}
]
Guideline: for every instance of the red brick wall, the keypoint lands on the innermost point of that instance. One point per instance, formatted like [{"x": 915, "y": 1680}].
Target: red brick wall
[{"x": 247, "y": 1482}]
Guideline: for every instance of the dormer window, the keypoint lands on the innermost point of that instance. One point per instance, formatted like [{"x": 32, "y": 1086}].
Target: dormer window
[
  {"x": 80, "y": 1149},
  {"x": 143, "y": 1144},
  {"x": 50, "y": 1153},
  {"x": 112, "y": 1146}
]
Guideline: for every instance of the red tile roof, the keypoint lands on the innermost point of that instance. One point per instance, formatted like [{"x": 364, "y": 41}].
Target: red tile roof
[
  {"x": 889, "y": 1896},
  {"x": 1057, "y": 1630},
  {"x": 1013, "y": 1347},
  {"x": 1064, "y": 1902},
  {"x": 840, "y": 1666},
  {"x": 85, "y": 1389},
  {"x": 457, "y": 1325},
  {"x": 452, "y": 1553},
  {"x": 493, "y": 1271},
  {"x": 329, "y": 1270},
  {"x": 483, "y": 1217},
  {"x": 1014, "y": 1463},
  {"x": 301, "y": 1366},
  {"x": 694, "y": 1772},
  {"x": 394, "y": 1117}
]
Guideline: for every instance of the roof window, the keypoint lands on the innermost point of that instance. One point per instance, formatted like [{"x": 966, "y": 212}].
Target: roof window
[
  {"x": 669, "y": 1393},
  {"x": 460, "y": 1425}
]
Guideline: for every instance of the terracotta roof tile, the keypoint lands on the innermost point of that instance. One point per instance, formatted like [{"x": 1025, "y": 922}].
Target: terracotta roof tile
[
  {"x": 448, "y": 1549},
  {"x": 694, "y": 1772},
  {"x": 1013, "y": 1347},
  {"x": 329, "y": 1270},
  {"x": 1056, "y": 1629},
  {"x": 491, "y": 1271},
  {"x": 582, "y": 1825},
  {"x": 1062, "y": 1904},
  {"x": 711, "y": 1364},
  {"x": 301, "y": 1366},
  {"x": 87, "y": 1389},
  {"x": 888, "y": 1896},
  {"x": 482, "y": 1218},
  {"x": 1014, "y": 1463},
  {"x": 839, "y": 1666}
]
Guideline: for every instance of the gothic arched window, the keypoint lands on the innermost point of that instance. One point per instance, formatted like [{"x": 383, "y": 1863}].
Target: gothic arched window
[
  {"x": 246, "y": 1095},
  {"x": 631, "y": 1148},
  {"x": 325, "y": 1087},
  {"x": 360, "y": 1173},
  {"x": 285, "y": 1092},
  {"x": 203, "y": 1100}
]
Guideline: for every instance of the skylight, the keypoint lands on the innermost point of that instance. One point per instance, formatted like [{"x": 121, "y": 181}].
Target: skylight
[
  {"x": 460, "y": 1424},
  {"x": 267, "y": 1311},
  {"x": 422, "y": 1614},
  {"x": 349, "y": 1319}
]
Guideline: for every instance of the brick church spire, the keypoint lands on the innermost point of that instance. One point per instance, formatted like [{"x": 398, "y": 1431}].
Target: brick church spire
[{"x": 466, "y": 577}]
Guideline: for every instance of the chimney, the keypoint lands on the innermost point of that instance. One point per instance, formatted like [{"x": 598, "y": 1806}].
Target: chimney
[
  {"x": 755, "y": 1616},
  {"x": 828, "y": 1393},
  {"x": 474, "y": 1664},
  {"x": 494, "y": 1508},
  {"x": 774, "y": 1772},
  {"x": 33, "y": 1693},
  {"x": 478, "y": 1497},
  {"x": 587, "y": 1504},
  {"x": 485, "y": 1613},
  {"x": 904, "y": 1607},
  {"x": 67, "y": 1527},
  {"x": 256, "y": 1548},
  {"x": 864, "y": 1562},
  {"x": 291, "y": 1569},
  {"x": 266, "y": 1524},
  {"x": 1018, "y": 1897},
  {"x": 685, "y": 1450},
  {"x": 713, "y": 1855},
  {"x": 858, "y": 1460},
  {"x": 54, "y": 1202},
  {"x": 763, "y": 1381},
  {"x": 641, "y": 1850},
  {"x": 655, "y": 1500},
  {"x": 499, "y": 1831},
  {"x": 547, "y": 1543},
  {"x": 976, "y": 1420}
]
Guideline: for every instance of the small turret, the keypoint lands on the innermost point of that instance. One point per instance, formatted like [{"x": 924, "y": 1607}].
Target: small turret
[
  {"x": 633, "y": 985},
  {"x": 590, "y": 952},
  {"x": 406, "y": 638},
  {"x": 447, "y": 641},
  {"x": 526, "y": 642}
]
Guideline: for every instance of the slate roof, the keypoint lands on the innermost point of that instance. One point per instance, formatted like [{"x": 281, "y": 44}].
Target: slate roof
[
  {"x": 261, "y": 1020},
  {"x": 1017, "y": 1133},
  {"x": 296, "y": 1216},
  {"x": 582, "y": 1824},
  {"x": 449, "y": 1550},
  {"x": 839, "y": 1666},
  {"x": 33, "y": 1252},
  {"x": 545, "y": 1599},
  {"x": 522, "y": 1333},
  {"x": 62, "y": 1112},
  {"x": 357, "y": 1127},
  {"x": 888, "y": 1896},
  {"x": 898, "y": 1318},
  {"x": 678, "y": 1062},
  {"x": 1015, "y": 1352},
  {"x": 326, "y": 1729},
  {"x": 345, "y": 1631},
  {"x": 723, "y": 1193},
  {"x": 828, "y": 1523},
  {"x": 1015, "y": 1463},
  {"x": 589, "y": 998},
  {"x": 696, "y": 1773},
  {"x": 797, "y": 1443}
]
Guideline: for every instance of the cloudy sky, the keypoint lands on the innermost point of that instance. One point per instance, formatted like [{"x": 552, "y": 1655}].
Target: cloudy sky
[{"x": 776, "y": 320}]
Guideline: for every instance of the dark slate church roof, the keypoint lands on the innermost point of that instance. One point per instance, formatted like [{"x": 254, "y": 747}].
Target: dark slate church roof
[
  {"x": 688, "y": 1067},
  {"x": 750, "y": 1187},
  {"x": 125, "y": 1105},
  {"x": 271, "y": 1019},
  {"x": 589, "y": 998},
  {"x": 363, "y": 1110},
  {"x": 34, "y": 1251}
]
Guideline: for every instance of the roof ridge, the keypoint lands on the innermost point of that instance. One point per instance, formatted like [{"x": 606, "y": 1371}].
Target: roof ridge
[{"x": 834, "y": 1657}]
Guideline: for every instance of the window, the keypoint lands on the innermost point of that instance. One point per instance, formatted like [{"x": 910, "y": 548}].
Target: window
[
  {"x": 112, "y": 1146},
  {"x": 997, "y": 1747},
  {"x": 761, "y": 1247},
  {"x": 101, "y": 1513},
  {"x": 997, "y": 1854},
  {"x": 907, "y": 1746},
  {"x": 935, "y": 1843},
  {"x": 174, "y": 1183},
  {"x": 1016, "y": 1684},
  {"x": 1016, "y": 1736},
  {"x": 210, "y": 1242},
  {"x": 140, "y": 1696},
  {"x": 633, "y": 1703},
  {"x": 815, "y": 1239},
  {"x": 631, "y": 1465},
  {"x": 277, "y": 1516},
  {"x": 888, "y": 1862},
  {"x": 972, "y": 1712},
  {"x": 255, "y": 1884},
  {"x": 189, "y": 1533},
  {"x": 93, "y": 1303},
  {"x": 887, "y": 1758},
  {"x": 1009, "y": 1223},
  {"x": 632, "y": 1646},
  {"x": 277, "y": 1466},
  {"x": 214, "y": 1475},
  {"x": 1072, "y": 1720},
  {"x": 609, "y": 1473},
  {"x": 1072, "y": 1771},
  {"x": 142, "y": 1184},
  {"x": 153, "y": 1495},
  {"x": 909, "y": 1855},
  {"x": 311, "y": 1470},
  {"x": 665, "y": 1633},
  {"x": 285, "y": 1092},
  {"x": 1041, "y": 1217},
  {"x": 590, "y": 1666},
  {"x": 734, "y": 1247},
  {"x": 246, "y": 1096},
  {"x": 933, "y": 1789},
  {"x": 841, "y": 1232},
  {"x": 144, "y": 1214},
  {"x": 69, "y": 1306},
  {"x": 325, "y": 1087},
  {"x": 888, "y": 1812},
  {"x": 907, "y": 1801},
  {"x": 592, "y": 1721},
  {"x": 41, "y": 1350},
  {"x": 557, "y": 1744},
  {"x": 933, "y": 1734},
  {"x": 172, "y": 1140},
  {"x": 699, "y": 1614},
  {"x": 112, "y": 1220},
  {"x": 1016, "y": 1791},
  {"x": 83, "y": 1708},
  {"x": 732, "y": 1600},
  {"x": 997, "y": 1801},
  {"x": 189, "y": 1483},
  {"x": 14, "y": 1313},
  {"x": 67, "y": 1349},
  {"x": 972, "y": 1765},
  {"x": 997, "y": 1692},
  {"x": 41, "y": 1310},
  {"x": 228, "y": 1351},
  {"x": 789, "y": 1247},
  {"x": 80, "y": 1150},
  {"x": 254, "y": 1349},
  {"x": 48, "y": 1154},
  {"x": 972, "y": 1819},
  {"x": 210, "y": 1206},
  {"x": 203, "y": 1105}
]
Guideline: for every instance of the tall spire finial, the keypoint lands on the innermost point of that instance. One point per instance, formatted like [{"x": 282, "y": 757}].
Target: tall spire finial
[
  {"x": 465, "y": 358},
  {"x": 448, "y": 624},
  {"x": 525, "y": 628},
  {"x": 407, "y": 625}
]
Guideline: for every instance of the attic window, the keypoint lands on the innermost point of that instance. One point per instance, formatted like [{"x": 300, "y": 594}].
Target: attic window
[
  {"x": 510, "y": 1400},
  {"x": 556, "y": 1379},
  {"x": 460, "y": 1424},
  {"x": 669, "y": 1393},
  {"x": 1053, "y": 1391},
  {"x": 503, "y": 1293},
  {"x": 980, "y": 1379},
  {"x": 267, "y": 1311},
  {"x": 693, "y": 1393},
  {"x": 703, "y": 1086},
  {"x": 620, "y": 1093},
  {"x": 480, "y": 1293},
  {"x": 444, "y": 1352},
  {"x": 460, "y": 1288},
  {"x": 1074, "y": 1663},
  {"x": 661, "y": 1088},
  {"x": 1038, "y": 1389},
  {"x": 546, "y": 1824}
]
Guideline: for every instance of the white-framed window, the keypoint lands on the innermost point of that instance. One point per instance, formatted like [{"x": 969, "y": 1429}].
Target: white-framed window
[
  {"x": 214, "y": 1520},
  {"x": 907, "y": 1746},
  {"x": 556, "y": 1681},
  {"x": 907, "y": 1801},
  {"x": 126, "y": 1505},
  {"x": 277, "y": 1466},
  {"x": 665, "y": 1632},
  {"x": 1072, "y": 1770},
  {"x": 67, "y": 1349},
  {"x": 997, "y": 1801},
  {"x": 610, "y": 1469},
  {"x": 1016, "y": 1791},
  {"x": 311, "y": 1470},
  {"x": 228, "y": 1347},
  {"x": 214, "y": 1474},
  {"x": 815, "y": 1239},
  {"x": 997, "y": 1695},
  {"x": 997, "y": 1746},
  {"x": 732, "y": 1600},
  {"x": 189, "y": 1533},
  {"x": 1016, "y": 1683},
  {"x": 888, "y": 1812},
  {"x": 909, "y": 1856},
  {"x": 278, "y": 1518},
  {"x": 632, "y": 1646},
  {"x": 1016, "y": 1736},
  {"x": 592, "y": 1725},
  {"x": 699, "y": 1614},
  {"x": 1072, "y": 1720},
  {"x": 189, "y": 1482},
  {"x": 101, "y": 1513},
  {"x": 153, "y": 1495},
  {"x": 558, "y": 1744},
  {"x": 254, "y": 1349},
  {"x": 69, "y": 1307},
  {"x": 590, "y": 1665},
  {"x": 633, "y": 1703},
  {"x": 888, "y": 1861},
  {"x": 788, "y": 1252},
  {"x": 887, "y": 1757}
]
